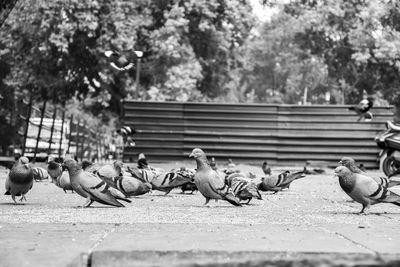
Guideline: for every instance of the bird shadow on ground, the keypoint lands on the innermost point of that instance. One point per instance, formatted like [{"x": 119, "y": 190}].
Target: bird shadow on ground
[
  {"x": 95, "y": 207},
  {"x": 19, "y": 204},
  {"x": 214, "y": 206},
  {"x": 361, "y": 214}
]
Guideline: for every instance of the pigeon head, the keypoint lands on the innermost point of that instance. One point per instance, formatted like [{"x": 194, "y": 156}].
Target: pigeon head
[
  {"x": 86, "y": 163},
  {"x": 52, "y": 165},
  {"x": 23, "y": 160},
  {"x": 148, "y": 186},
  {"x": 197, "y": 153},
  {"x": 118, "y": 164},
  {"x": 71, "y": 165},
  {"x": 348, "y": 162},
  {"x": 141, "y": 156},
  {"x": 342, "y": 171}
]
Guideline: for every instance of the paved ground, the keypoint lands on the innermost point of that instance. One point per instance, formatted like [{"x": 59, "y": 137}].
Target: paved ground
[{"x": 313, "y": 219}]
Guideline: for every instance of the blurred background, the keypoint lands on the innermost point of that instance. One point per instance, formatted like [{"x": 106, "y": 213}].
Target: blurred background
[{"x": 68, "y": 67}]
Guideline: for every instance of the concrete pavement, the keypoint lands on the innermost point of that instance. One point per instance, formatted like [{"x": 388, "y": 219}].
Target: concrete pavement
[{"x": 312, "y": 223}]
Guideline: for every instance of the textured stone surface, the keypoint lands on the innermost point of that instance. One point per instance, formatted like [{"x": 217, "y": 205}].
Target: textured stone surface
[{"x": 314, "y": 216}]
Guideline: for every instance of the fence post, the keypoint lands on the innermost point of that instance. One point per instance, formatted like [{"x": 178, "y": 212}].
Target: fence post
[
  {"x": 77, "y": 138},
  {"x": 52, "y": 130},
  {"x": 39, "y": 130},
  {"x": 62, "y": 132},
  {"x": 28, "y": 117},
  {"x": 70, "y": 133}
]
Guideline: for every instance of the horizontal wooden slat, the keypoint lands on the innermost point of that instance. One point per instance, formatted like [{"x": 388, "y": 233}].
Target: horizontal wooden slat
[{"x": 282, "y": 134}]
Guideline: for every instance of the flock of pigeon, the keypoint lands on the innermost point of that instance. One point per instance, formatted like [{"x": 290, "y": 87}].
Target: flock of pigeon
[{"x": 111, "y": 183}]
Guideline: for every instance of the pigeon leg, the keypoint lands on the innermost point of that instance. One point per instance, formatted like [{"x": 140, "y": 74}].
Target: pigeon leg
[
  {"x": 167, "y": 192},
  {"x": 275, "y": 192},
  {"x": 364, "y": 209},
  {"x": 13, "y": 198},
  {"x": 207, "y": 200},
  {"x": 88, "y": 202},
  {"x": 248, "y": 201},
  {"x": 65, "y": 191},
  {"x": 22, "y": 198}
]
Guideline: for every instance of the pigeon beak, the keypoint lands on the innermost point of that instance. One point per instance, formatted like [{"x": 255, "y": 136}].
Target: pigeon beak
[
  {"x": 340, "y": 162},
  {"x": 191, "y": 155}
]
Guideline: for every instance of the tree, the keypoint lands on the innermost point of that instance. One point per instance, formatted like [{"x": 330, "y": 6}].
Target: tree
[{"x": 357, "y": 40}]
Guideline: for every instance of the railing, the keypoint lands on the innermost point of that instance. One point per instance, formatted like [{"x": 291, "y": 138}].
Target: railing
[
  {"x": 46, "y": 131},
  {"x": 280, "y": 134}
]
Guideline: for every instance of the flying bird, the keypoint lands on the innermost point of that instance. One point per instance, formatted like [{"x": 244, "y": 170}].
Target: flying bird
[
  {"x": 20, "y": 179},
  {"x": 209, "y": 183},
  {"x": 362, "y": 109},
  {"x": 91, "y": 187},
  {"x": 364, "y": 190},
  {"x": 118, "y": 61},
  {"x": 350, "y": 163},
  {"x": 242, "y": 188},
  {"x": 277, "y": 182}
]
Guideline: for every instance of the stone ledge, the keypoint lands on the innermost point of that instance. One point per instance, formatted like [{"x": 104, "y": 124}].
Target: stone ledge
[{"x": 236, "y": 259}]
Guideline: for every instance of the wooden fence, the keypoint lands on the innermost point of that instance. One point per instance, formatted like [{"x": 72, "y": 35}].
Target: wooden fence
[{"x": 280, "y": 134}]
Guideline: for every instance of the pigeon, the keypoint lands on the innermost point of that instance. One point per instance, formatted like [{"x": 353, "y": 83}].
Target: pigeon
[
  {"x": 362, "y": 109},
  {"x": 19, "y": 180},
  {"x": 40, "y": 174},
  {"x": 54, "y": 169},
  {"x": 350, "y": 163},
  {"x": 209, "y": 183},
  {"x": 118, "y": 61},
  {"x": 242, "y": 188},
  {"x": 174, "y": 178},
  {"x": 63, "y": 181},
  {"x": 91, "y": 187},
  {"x": 142, "y": 162},
  {"x": 164, "y": 181},
  {"x": 364, "y": 190},
  {"x": 231, "y": 165},
  {"x": 128, "y": 185},
  {"x": 189, "y": 187},
  {"x": 362, "y": 168},
  {"x": 89, "y": 166},
  {"x": 266, "y": 169},
  {"x": 280, "y": 181},
  {"x": 127, "y": 134},
  {"x": 213, "y": 164},
  {"x": 313, "y": 171},
  {"x": 111, "y": 170},
  {"x": 145, "y": 175}
]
